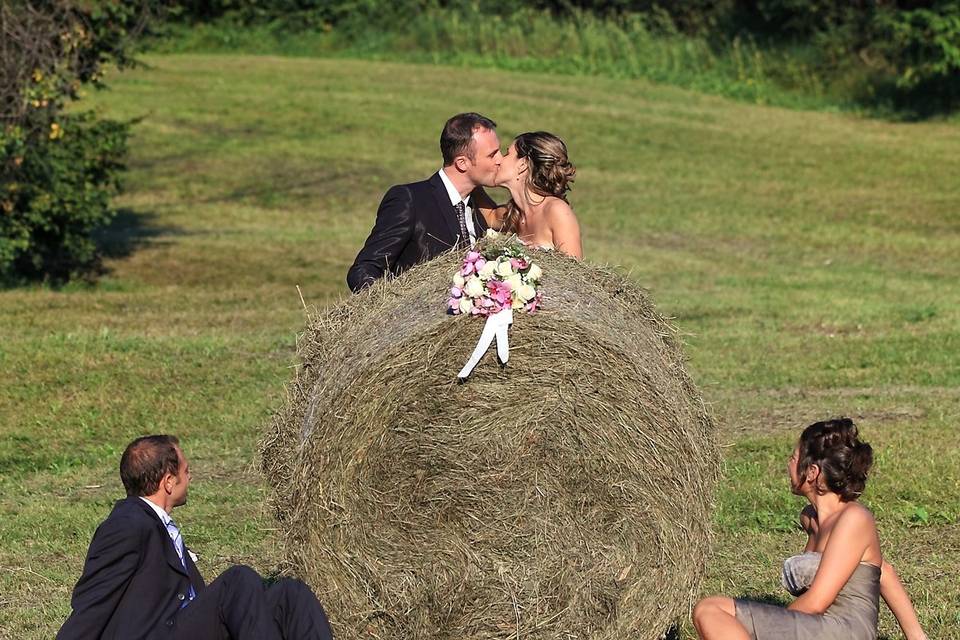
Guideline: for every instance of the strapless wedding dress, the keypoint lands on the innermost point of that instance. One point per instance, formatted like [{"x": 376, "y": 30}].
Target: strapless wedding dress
[
  {"x": 542, "y": 247},
  {"x": 852, "y": 616}
]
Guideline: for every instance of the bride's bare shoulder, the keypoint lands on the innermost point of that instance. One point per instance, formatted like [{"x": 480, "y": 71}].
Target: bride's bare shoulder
[
  {"x": 563, "y": 227},
  {"x": 557, "y": 210}
]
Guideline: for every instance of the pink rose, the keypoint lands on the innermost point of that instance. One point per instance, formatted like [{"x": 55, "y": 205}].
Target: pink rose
[{"x": 499, "y": 291}]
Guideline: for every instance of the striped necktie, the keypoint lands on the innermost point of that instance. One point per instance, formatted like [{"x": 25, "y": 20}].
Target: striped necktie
[
  {"x": 461, "y": 208},
  {"x": 177, "y": 540}
]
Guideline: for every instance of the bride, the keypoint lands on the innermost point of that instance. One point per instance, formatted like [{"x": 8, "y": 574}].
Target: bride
[{"x": 538, "y": 174}]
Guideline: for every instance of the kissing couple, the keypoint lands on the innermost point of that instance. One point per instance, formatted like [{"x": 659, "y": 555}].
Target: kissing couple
[{"x": 417, "y": 222}]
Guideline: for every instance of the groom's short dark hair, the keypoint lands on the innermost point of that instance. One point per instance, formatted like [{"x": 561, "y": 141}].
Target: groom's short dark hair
[{"x": 457, "y": 135}]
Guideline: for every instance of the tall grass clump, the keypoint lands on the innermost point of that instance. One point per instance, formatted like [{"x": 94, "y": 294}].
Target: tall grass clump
[{"x": 637, "y": 45}]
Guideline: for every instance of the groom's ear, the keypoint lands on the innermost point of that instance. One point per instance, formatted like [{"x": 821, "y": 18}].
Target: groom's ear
[
  {"x": 168, "y": 482},
  {"x": 460, "y": 162}
]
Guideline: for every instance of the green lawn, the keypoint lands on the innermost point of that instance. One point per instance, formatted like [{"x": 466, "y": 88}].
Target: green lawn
[{"x": 811, "y": 258}]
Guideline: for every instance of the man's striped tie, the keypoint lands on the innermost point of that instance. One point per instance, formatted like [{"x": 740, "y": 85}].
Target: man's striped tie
[
  {"x": 177, "y": 539},
  {"x": 461, "y": 208}
]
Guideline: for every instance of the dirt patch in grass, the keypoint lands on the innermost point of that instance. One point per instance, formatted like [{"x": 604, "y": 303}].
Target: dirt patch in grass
[{"x": 767, "y": 411}]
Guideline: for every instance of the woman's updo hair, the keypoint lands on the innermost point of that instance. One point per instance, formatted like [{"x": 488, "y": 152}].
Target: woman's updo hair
[
  {"x": 549, "y": 170},
  {"x": 844, "y": 459}
]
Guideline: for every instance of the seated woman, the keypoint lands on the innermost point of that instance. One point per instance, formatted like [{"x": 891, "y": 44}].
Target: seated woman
[
  {"x": 538, "y": 173},
  {"x": 838, "y": 578}
]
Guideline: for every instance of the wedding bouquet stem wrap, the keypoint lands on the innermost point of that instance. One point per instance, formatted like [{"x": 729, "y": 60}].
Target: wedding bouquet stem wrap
[{"x": 564, "y": 496}]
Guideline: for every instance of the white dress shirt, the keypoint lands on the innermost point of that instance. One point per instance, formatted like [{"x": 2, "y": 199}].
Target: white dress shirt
[
  {"x": 179, "y": 548},
  {"x": 163, "y": 515},
  {"x": 454, "y": 199}
]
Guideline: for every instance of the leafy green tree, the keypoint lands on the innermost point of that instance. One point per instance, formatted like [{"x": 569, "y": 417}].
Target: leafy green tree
[{"x": 59, "y": 166}]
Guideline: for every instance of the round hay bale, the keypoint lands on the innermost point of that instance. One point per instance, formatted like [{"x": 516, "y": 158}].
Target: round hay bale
[{"x": 565, "y": 496}]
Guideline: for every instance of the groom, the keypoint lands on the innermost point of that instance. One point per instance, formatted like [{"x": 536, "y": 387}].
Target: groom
[{"x": 418, "y": 221}]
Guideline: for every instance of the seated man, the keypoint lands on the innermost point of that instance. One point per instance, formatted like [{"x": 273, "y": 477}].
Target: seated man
[{"x": 139, "y": 580}]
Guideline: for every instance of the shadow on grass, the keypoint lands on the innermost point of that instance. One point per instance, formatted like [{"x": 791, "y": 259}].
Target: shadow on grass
[
  {"x": 209, "y": 177},
  {"x": 127, "y": 232},
  {"x": 56, "y": 268},
  {"x": 285, "y": 184}
]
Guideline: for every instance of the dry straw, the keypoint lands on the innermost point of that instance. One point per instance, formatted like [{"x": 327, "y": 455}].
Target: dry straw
[{"x": 565, "y": 496}]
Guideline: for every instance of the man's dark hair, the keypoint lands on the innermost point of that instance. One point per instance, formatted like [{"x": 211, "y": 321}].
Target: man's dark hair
[
  {"x": 456, "y": 139},
  {"x": 145, "y": 461}
]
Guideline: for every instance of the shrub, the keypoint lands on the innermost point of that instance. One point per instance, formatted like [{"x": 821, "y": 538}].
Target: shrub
[
  {"x": 59, "y": 195},
  {"x": 59, "y": 167},
  {"x": 924, "y": 43}
]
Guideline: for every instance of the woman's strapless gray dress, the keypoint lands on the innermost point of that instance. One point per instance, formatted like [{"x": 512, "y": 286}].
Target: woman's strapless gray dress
[{"x": 852, "y": 616}]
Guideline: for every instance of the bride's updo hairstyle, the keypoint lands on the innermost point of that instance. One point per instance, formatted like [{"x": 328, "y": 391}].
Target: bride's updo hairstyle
[
  {"x": 844, "y": 459},
  {"x": 549, "y": 170}
]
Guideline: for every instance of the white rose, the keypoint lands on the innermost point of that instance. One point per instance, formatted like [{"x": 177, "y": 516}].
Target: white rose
[
  {"x": 504, "y": 268},
  {"x": 487, "y": 270},
  {"x": 527, "y": 292},
  {"x": 466, "y": 305},
  {"x": 535, "y": 272},
  {"x": 516, "y": 304},
  {"x": 473, "y": 287},
  {"x": 458, "y": 280},
  {"x": 514, "y": 282}
]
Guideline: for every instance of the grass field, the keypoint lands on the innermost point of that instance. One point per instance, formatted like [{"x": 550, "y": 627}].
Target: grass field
[{"x": 811, "y": 259}]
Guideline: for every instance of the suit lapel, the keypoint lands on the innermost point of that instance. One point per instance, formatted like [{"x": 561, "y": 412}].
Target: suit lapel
[
  {"x": 447, "y": 212},
  {"x": 169, "y": 551}
]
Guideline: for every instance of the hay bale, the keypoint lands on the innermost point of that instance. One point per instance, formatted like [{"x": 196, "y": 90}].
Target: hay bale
[{"x": 566, "y": 496}]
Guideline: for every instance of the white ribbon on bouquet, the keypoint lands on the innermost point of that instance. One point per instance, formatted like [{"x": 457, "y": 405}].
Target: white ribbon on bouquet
[{"x": 496, "y": 326}]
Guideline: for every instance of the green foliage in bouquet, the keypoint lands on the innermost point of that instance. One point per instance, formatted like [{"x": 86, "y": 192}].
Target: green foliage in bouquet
[{"x": 58, "y": 167}]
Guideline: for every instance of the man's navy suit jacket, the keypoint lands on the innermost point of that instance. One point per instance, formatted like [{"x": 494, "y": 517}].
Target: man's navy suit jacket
[
  {"x": 415, "y": 223},
  {"x": 133, "y": 582}
]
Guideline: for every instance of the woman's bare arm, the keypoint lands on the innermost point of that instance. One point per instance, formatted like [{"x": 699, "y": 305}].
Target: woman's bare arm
[
  {"x": 895, "y": 595},
  {"x": 845, "y": 548}
]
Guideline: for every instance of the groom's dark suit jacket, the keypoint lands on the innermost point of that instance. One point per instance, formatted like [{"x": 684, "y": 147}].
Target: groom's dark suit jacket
[
  {"x": 133, "y": 582},
  {"x": 415, "y": 222}
]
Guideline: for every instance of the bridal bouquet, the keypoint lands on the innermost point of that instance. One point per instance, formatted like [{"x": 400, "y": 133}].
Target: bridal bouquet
[{"x": 495, "y": 280}]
